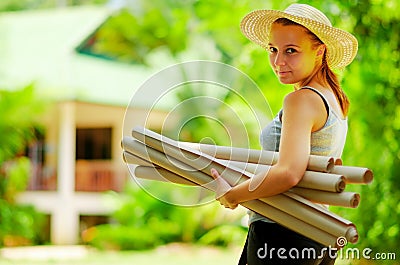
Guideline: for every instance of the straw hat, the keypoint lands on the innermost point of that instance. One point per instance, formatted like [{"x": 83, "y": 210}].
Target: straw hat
[{"x": 341, "y": 46}]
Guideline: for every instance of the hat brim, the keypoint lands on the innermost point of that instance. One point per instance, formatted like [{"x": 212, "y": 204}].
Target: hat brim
[{"x": 341, "y": 46}]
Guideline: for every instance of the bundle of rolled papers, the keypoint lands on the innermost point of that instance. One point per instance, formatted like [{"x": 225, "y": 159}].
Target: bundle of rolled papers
[{"x": 163, "y": 159}]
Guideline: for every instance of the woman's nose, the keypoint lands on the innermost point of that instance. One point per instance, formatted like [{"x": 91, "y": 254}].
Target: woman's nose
[{"x": 279, "y": 59}]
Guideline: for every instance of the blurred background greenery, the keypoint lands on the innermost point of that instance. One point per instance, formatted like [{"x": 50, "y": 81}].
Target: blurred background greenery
[{"x": 371, "y": 82}]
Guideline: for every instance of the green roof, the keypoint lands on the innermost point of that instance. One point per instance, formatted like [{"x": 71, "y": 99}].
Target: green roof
[{"x": 39, "y": 46}]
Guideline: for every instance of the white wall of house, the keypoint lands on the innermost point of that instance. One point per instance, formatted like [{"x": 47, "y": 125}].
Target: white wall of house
[
  {"x": 38, "y": 46},
  {"x": 65, "y": 205}
]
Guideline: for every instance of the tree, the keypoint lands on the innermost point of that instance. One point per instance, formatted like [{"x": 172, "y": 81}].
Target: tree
[
  {"x": 371, "y": 82},
  {"x": 19, "y": 109},
  {"x": 18, "y": 5}
]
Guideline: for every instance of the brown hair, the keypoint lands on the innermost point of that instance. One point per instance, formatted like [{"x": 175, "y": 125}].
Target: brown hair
[{"x": 328, "y": 76}]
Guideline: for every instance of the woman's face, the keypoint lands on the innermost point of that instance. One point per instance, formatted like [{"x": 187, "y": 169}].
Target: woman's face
[{"x": 293, "y": 56}]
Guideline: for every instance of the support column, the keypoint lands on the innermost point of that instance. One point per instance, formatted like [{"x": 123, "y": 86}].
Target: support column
[{"x": 65, "y": 218}]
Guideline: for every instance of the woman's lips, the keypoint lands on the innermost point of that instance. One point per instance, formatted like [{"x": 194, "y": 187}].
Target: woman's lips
[{"x": 283, "y": 73}]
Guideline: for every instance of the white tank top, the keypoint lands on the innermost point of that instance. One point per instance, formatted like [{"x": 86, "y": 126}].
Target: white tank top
[{"x": 327, "y": 141}]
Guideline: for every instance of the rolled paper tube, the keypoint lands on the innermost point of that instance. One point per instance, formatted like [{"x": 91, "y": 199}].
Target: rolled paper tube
[
  {"x": 320, "y": 163},
  {"x": 160, "y": 159},
  {"x": 235, "y": 153},
  {"x": 311, "y": 179},
  {"x": 292, "y": 223},
  {"x": 351, "y": 231},
  {"x": 303, "y": 210},
  {"x": 253, "y": 168},
  {"x": 338, "y": 161},
  {"x": 356, "y": 175},
  {"x": 285, "y": 219},
  {"x": 344, "y": 199},
  {"x": 315, "y": 163},
  {"x": 353, "y": 234},
  {"x": 322, "y": 181},
  {"x": 160, "y": 174},
  {"x": 132, "y": 159},
  {"x": 312, "y": 214}
]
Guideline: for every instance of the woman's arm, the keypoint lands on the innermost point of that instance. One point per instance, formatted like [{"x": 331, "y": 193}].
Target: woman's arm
[{"x": 303, "y": 113}]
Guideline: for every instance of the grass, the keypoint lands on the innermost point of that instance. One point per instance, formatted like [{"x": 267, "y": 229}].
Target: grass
[
  {"x": 167, "y": 255},
  {"x": 176, "y": 254}
]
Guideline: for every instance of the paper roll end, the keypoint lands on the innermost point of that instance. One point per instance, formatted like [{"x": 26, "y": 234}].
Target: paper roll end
[
  {"x": 331, "y": 164},
  {"x": 355, "y": 201},
  {"x": 341, "y": 185},
  {"x": 338, "y": 161},
  {"x": 352, "y": 235},
  {"x": 368, "y": 176}
]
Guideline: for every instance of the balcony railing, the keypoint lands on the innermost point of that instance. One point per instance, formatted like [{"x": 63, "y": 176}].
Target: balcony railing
[
  {"x": 42, "y": 178},
  {"x": 90, "y": 176},
  {"x": 96, "y": 176}
]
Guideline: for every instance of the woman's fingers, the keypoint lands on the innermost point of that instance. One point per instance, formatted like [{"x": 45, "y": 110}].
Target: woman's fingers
[{"x": 222, "y": 186}]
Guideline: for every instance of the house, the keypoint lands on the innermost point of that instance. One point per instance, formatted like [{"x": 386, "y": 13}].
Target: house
[{"x": 79, "y": 155}]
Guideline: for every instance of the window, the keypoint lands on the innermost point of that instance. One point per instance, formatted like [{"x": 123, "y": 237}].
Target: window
[
  {"x": 93, "y": 143},
  {"x": 42, "y": 176}
]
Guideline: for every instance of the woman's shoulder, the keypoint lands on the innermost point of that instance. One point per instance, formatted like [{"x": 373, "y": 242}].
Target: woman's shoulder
[
  {"x": 303, "y": 98},
  {"x": 305, "y": 105}
]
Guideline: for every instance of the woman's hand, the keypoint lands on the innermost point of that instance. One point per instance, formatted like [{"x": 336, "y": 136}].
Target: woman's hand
[{"x": 222, "y": 191}]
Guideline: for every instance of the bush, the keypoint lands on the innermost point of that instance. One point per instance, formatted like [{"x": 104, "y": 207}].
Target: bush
[
  {"x": 144, "y": 222},
  {"x": 19, "y": 225},
  {"x": 224, "y": 235},
  {"x": 118, "y": 237}
]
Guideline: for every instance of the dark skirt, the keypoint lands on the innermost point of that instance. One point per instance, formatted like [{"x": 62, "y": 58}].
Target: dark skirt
[{"x": 271, "y": 243}]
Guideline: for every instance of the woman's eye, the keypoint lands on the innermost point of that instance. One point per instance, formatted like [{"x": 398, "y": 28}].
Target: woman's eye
[
  {"x": 272, "y": 50},
  {"x": 290, "y": 51}
]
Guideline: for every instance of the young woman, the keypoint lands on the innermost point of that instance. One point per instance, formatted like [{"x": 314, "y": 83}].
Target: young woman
[{"x": 303, "y": 49}]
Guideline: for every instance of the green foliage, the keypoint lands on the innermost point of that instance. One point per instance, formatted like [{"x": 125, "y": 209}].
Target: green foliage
[
  {"x": 20, "y": 224},
  {"x": 15, "y": 178},
  {"x": 371, "y": 82},
  {"x": 143, "y": 221},
  {"x": 19, "y": 110},
  {"x": 224, "y": 235},
  {"x": 18, "y": 117},
  {"x": 118, "y": 237},
  {"x": 129, "y": 36},
  {"x": 17, "y": 5}
]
